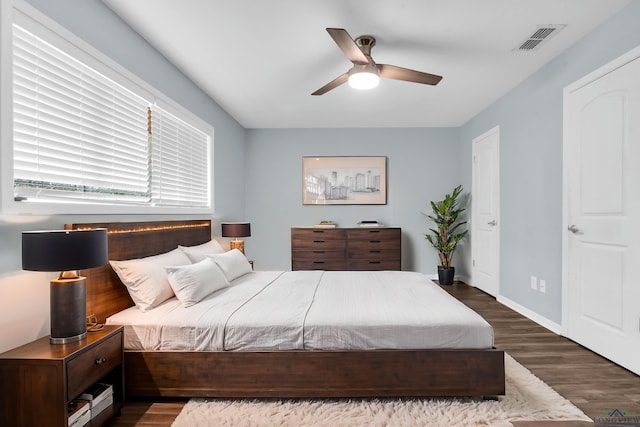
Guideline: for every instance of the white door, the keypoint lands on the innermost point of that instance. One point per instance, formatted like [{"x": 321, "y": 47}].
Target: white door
[
  {"x": 601, "y": 251},
  {"x": 485, "y": 207}
]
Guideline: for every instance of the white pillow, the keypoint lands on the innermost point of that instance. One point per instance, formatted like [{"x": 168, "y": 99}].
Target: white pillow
[
  {"x": 191, "y": 283},
  {"x": 199, "y": 252},
  {"x": 233, "y": 264},
  {"x": 146, "y": 279}
]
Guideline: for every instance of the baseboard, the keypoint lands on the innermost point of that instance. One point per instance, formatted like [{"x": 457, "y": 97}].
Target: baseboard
[
  {"x": 531, "y": 315},
  {"x": 463, "y": 279}
]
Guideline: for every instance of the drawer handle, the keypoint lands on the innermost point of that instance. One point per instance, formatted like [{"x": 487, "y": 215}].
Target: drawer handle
[
  {"x": 100, "y": 360},
  {"x": 374, "y": 241},
  {"x": 374, "y": 262},
  {"x": 319, "y": 252},
  {"x": 374, "y": 252},
  {"x": 318, "y": 262},
  {"x": 318, "y": 231},
  {"x": 318, "y": 241},
  {"x": 374, "y": 231}
]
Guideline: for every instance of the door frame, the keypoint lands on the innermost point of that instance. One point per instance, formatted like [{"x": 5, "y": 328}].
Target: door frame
[
  {"x": 494, "y": 130},
  {"x": 578, "y": 84}
]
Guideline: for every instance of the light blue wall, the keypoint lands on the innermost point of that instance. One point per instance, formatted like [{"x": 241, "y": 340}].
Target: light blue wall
[
  {"x": 422, "y": 165},
  {"x": 530, "y": 120}
]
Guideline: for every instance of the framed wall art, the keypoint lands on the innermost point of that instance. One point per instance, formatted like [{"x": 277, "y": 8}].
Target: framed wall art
[{"x": 343, "y": 180}]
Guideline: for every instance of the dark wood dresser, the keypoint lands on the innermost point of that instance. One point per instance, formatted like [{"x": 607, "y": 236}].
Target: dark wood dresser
[{"x": 359, "y": 248}]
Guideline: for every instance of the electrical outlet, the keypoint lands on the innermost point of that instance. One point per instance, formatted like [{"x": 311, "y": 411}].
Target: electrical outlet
[
  {"x": 543, "y": 286},
  {"x": 534, "y": 283}
]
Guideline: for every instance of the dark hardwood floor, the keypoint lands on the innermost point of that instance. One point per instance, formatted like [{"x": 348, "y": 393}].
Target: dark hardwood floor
[{"x": 591, "y": 382}]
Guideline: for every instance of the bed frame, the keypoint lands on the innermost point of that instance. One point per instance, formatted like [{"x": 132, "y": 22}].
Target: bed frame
[{"x": 275, "y": 374}]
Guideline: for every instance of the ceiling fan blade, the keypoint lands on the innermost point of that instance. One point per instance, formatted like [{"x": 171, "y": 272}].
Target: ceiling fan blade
[
  {"x": 347, "y": 45},
  {"x": 399, "y": 73},
  {"x": 332, "y": 84}
]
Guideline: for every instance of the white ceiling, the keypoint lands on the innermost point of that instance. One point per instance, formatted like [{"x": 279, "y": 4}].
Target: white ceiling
[{"x": 261, "y": 60}]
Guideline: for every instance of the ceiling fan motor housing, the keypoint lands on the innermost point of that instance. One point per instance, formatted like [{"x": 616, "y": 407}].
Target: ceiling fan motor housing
[{"x": 365, "y": 43}]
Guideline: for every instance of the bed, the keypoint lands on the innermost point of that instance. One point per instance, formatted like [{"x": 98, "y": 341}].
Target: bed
[{"x": 307, "y": 363}]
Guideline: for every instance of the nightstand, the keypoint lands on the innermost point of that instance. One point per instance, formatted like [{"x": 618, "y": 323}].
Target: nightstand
[{"x": 39, "y": 379}]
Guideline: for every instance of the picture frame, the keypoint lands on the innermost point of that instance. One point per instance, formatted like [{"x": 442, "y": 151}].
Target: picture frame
[{"x": 344, "y": 180}]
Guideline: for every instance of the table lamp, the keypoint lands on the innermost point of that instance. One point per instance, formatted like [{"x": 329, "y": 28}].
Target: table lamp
[
  {"x": 235, "y": 230},
  {"x": 67, "y": 251}
]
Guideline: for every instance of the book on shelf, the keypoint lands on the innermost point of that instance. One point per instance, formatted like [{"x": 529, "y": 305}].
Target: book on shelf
[
  {"x": 369, "y": 223},
  {"x": 99, "y": 396},
  {"x": 78, "y": 413},
  {"x": 325, "y": 224}
]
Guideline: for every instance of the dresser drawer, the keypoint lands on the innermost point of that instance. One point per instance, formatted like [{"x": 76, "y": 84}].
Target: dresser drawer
[
  {"x": 373, "y": 254},
  {"x": 326, "y": 264},
  {"x": 321, "y": 233},
  {"x": 385, "y": 264},
  {"x": 319, "y": 243},
  {"x": 93, "y": 364},
  {"x": 373, "y": 244},
  {"x": 392, "y": 234},
  {"x": 317, "y": 254}
]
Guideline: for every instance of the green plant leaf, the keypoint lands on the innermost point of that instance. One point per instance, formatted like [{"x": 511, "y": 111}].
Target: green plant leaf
[{"x": 449, "y": 230}]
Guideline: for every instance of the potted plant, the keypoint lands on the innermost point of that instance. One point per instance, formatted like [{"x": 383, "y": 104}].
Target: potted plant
[{"x": 448, "y": 232}]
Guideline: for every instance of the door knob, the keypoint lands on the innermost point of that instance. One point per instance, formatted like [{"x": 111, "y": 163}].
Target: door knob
[
  {"x": 574, "y": 229},
  {"x": 492, "y": 223}
]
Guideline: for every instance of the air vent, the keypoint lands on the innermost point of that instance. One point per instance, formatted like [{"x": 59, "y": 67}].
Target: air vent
[{"x": 538, "y": 37}]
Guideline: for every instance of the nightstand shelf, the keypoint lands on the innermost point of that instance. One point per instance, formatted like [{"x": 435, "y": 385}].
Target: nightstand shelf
[{"x": 39, "y": 379}]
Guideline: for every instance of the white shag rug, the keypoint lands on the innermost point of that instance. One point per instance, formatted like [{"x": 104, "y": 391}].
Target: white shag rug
[{"x": 527, "y": 398}]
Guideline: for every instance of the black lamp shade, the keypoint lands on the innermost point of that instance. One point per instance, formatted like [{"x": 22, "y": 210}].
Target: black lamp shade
[
  {"x": 236, "y": 229},
  {"x": 64, "y": 250}
]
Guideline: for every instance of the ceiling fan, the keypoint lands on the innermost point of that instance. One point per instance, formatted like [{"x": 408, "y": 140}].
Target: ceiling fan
[{"x": 365, "y": 73}]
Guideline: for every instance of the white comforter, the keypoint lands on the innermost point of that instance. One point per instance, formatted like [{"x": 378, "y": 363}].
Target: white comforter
[{"x": 312, "y": 310}]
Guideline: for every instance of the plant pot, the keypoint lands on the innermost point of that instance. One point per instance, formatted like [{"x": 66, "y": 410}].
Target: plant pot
[{"x": 445, "y": 275}]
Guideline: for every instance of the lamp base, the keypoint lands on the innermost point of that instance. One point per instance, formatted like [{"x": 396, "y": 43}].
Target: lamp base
[
  {"x": 68, "y": 310},
  {"x": 237, "y": 244},
  {"x": 68, "y": 340}
]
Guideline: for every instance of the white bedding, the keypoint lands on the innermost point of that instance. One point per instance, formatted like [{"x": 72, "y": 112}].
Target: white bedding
[{"x": 311, "y": 310}]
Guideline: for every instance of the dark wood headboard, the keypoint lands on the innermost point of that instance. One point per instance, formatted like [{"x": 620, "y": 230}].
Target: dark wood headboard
[{"x": 106, "y": 294}]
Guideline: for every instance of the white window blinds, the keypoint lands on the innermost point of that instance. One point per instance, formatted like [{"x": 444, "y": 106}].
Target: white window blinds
[
  {"x": 76, "y": 133},
  {"x": 179, "y": 162},
  {"x": 81, "y": 137}
]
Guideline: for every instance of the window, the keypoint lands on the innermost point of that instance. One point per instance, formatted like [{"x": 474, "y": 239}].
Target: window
[
  {"x": 81, "y": 137},
  {"x": 179, "y": 162}
]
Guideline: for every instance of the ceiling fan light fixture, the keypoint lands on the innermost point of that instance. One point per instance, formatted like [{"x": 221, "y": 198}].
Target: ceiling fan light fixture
[
  {"x": 365, "y": 73},
  {"x": 363, "y": 80},
  {"x": 364, "y": 77}
]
